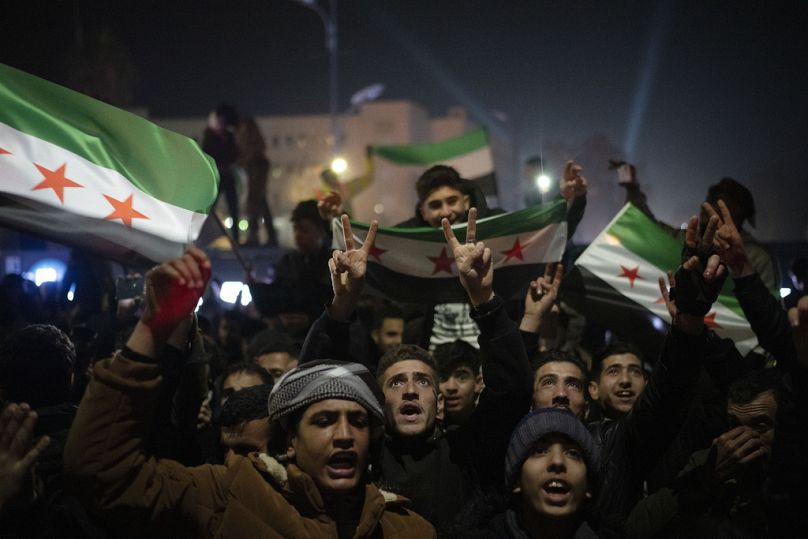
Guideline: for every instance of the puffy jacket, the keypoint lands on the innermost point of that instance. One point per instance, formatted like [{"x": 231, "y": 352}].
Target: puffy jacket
[{"x": 253, "y": 496}]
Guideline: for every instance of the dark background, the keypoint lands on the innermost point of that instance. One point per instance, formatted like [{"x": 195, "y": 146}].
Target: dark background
[{"x": 689, "y": 90}]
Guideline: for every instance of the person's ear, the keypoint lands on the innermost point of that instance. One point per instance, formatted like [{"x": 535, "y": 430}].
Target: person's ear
[
  {"x": 440, "y": 415},
  {"x": 291, "y": 445},
  {"x": 594, "y": 390},
  {"x": 466, "y": 202},
  {"x": 375, "y": 336},
  {"x": 478, "y": 384}
]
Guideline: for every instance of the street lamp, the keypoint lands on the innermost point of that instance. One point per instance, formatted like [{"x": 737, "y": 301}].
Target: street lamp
[{"x": 329, "y": 19}]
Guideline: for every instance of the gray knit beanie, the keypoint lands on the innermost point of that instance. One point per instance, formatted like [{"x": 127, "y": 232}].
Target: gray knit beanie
[
  {"x": 540, "y": 423},
  {"x": 317, "y": 381}
]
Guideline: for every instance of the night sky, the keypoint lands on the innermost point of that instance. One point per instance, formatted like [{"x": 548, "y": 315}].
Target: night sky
[{"x": 688, "y": 90}]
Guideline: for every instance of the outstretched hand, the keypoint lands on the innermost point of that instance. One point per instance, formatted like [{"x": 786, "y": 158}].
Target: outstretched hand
[
  {"x": 541, "y": 309},
  {"x": 728, "y": 242},
  {"x": 18, "y": 452},
  {"x": 348, "y": 269},
  {"x": 572, "y": 184},
  {"x": 173, "y": 290},
  {"x": 699, "y": 279},
  {"x": 473, "y": 261}
]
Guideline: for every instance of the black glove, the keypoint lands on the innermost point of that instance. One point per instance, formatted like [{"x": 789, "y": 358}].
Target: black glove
[{"x": 692, "y": 294}]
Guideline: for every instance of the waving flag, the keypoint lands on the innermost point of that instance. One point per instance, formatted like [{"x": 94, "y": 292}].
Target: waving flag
[
  {"x": 622, "y": 267},
  {"x": 84, "y": 173},
  {"x": 416, "y": 265},
  {"x": 469, "y": 154}
]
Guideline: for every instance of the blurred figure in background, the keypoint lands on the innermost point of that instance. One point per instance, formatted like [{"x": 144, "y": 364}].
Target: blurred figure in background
[{"x": 251, "y": 147}]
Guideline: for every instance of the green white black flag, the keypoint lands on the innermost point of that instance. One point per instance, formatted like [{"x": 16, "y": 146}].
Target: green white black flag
[
  {"x": 629, "y": 256},
  {"x": 81, "y": 172},
  {"x": 416, "y": 264}
]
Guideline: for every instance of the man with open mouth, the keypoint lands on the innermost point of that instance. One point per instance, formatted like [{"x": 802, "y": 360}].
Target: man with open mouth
[{"x": 325, "y": 422}]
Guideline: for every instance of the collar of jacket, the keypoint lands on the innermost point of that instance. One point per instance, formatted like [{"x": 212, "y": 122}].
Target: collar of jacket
[{"x": 300, "y": 488}]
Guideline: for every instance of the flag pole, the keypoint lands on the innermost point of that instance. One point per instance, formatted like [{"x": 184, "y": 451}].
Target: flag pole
[{"x": 233, "y": 244}]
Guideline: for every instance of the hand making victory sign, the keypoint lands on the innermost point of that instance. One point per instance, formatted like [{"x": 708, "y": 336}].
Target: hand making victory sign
[
  {"x": 728, "y": 242},
  {"x": 348, "y": 270},
  {"x": 473, "y": 261}
]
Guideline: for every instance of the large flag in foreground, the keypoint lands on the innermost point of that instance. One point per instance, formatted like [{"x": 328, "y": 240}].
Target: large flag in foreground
[
  {"x": 81, "y": 172},
  {"x": 628, "y": 257},
  {"x": 416, "y": 265},
  {"x": 469, "y": 154}
]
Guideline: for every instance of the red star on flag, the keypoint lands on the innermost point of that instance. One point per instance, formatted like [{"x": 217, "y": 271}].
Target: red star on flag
[
  {"x": 4, "y": 151},
  {"x": 443, "y": 262},
  {"x": 376, "y": 253},
  {"x": 56, "y": 180},
  {"x": 710, "y": 322},
  {"x": 514, "y": 252},
  {"x": 123, "y": 210},
  {"x": 632, "y": 274}
]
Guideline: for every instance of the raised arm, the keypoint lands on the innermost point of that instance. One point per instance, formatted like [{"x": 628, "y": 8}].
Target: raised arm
[
  {"x": 662, "y": 408},
  {"x": 330, "y": 334},
  {"x": 506, "y": 372},
  {"x": 540, "y": 319},
  {"x": 766, "y": 317},
  {"x": 105, "y": 458}
]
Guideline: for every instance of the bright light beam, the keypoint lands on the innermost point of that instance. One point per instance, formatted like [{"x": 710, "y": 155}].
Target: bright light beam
[{"x": 658, "y": 33}]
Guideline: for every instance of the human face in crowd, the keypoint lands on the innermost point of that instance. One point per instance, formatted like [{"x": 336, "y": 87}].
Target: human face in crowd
[
  {"x": 758, "y": 414},
  {"x": 390, "y": 334},
  {"x": 238, "y": 381},
  {"x": 246, "y": 437},
  {"x": 559, "y": 384},
  {"x": 553, "y": 481},
  {"x": 445, "y": 202},
  {"x": 460, "y": 390},
  {"x": 308, "y": 236},
  {"x": 276, "y": 363},
  {"x": 410, "y": 397},
  {"x": 331, "y": 444},
  {"x": 621, "y": 382}
]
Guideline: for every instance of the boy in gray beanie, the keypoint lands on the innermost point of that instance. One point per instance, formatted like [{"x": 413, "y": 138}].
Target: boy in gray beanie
[{"x": 552, "y": 467}]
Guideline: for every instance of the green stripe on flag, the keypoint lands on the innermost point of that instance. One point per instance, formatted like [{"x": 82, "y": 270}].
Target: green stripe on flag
[
  {"x": 166, "y": 165},
  {"x": 642, "y": 236},
  {"x": 427, "y": 154},
  {"x": 506, "y": 224}
]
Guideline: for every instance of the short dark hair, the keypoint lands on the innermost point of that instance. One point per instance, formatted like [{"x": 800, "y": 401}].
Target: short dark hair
[
  {"x": 269, "y": 341},
  {"x": 245, "y": 405},
  {"x": 561, "y": 356},
  {"x": 451, "y": 355},
  {"x": 614, "y": 349},
  {"x": 243, "y": 366},
  {"x": 227, "y": 113},
  {"x": 747, "y": 389},
  {"x": 385, "y": 311},
  {"x": 307, "y": 210},
  {"x": 36, "y": 364},
  {"x": 404, "y": 352},
  {"x": 436, "y": 177},
  {"x": 731, "y": 189}
]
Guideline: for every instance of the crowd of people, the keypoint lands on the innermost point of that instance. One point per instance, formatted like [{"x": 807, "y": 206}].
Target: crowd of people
[{"x": 325, "y": 411}]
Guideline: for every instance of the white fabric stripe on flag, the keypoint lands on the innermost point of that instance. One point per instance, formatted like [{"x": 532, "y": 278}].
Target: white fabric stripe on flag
[
  {"x": 605, "y": 256},
  {"x": 18, "y": 177},
  {"x": 411, "y": 256}
]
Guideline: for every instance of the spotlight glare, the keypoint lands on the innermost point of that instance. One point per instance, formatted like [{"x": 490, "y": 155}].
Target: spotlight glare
[{"x": 339, "y": 165}]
